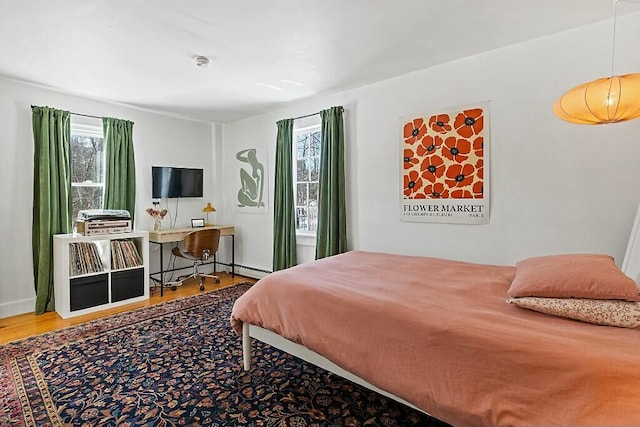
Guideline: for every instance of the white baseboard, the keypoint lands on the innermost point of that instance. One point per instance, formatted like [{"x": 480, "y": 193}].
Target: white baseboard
[
  {"x": 246, "y": 272},
  {"x": 14, "y": 308}
]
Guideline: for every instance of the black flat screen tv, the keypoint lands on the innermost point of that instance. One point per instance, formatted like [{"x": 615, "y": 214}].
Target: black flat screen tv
[{"x": 170, "y": 182}]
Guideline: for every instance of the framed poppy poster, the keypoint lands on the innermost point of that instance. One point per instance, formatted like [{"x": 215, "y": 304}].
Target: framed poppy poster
[{"x": 445, "y": 166}]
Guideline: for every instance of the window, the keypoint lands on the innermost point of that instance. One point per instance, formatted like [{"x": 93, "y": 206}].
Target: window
[
  {"x": 307, "y": 167},
  {"x": 87, "y": 168}
]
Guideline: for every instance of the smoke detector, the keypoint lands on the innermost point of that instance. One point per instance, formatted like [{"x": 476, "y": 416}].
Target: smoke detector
[{"x": 202, "y": 61}]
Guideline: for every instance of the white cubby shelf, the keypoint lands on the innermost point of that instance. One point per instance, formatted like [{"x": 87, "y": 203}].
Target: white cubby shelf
[{"x": 84, "y": 284}]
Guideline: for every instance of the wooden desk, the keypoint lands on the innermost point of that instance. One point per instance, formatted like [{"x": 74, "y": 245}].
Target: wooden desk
[{"x": 177, "y": 235}]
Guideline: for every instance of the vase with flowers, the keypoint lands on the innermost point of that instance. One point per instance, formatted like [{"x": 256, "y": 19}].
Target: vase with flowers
[{"x": 158, "y": 217}]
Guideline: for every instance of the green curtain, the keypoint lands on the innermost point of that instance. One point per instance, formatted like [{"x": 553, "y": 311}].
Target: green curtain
[
  {"x": 51, "y": 196},
  {"x": 120, "y": 168},
  {"x": 331, "y": 236},
  {"x": 284, "y": 226}
]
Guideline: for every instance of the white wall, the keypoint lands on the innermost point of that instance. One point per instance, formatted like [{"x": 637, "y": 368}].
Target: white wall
[
  {"x": 158, "y": 140},
  {"x": 556, "y": 187}
]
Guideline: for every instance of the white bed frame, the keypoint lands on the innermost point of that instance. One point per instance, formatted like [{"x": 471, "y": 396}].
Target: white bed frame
[
  {"x": 279, "y": 342},
  {"x": 631, "y": 262}
]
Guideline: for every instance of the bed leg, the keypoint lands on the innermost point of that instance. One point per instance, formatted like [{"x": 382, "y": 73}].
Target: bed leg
[{"x": 246, "y": 346}]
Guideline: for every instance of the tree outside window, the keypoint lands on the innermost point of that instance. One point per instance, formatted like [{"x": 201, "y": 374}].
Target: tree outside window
[
  {"x": 307, "y": 167},
  {"x": 87, "y": 168}
]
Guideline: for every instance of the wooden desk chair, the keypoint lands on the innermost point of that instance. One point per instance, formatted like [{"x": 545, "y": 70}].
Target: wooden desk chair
[{"x": 199, "y": 246}]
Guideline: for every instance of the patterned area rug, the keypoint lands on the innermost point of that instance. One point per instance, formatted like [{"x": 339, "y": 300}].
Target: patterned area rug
[{"x": 177, "y": 363}]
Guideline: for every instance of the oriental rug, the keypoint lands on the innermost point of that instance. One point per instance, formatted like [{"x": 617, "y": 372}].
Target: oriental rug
[{"x": 177, "y": 363}]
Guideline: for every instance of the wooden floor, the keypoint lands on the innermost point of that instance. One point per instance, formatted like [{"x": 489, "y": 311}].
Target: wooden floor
[{"x": 24, "y": 325}]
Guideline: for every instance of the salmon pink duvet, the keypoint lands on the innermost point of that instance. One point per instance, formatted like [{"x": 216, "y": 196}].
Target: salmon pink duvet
[{"x": 439, "y": 334}]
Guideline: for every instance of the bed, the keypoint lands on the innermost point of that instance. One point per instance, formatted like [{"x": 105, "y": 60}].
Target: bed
[{"x": 438, "y": 335}]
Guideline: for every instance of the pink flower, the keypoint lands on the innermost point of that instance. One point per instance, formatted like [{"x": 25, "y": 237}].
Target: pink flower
[{"x": 156, "y": 212}]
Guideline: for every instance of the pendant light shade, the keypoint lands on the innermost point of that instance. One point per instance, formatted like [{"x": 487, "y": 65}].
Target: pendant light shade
[{"x": 606, "y": 100}]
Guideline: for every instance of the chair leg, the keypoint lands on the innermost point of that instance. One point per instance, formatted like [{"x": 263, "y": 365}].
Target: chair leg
[
  {"x": 200, "y": 276},
  {"x": 214, "y": 277},
  {"x": 174, "y": 285},
  {"x": 192, "y": 275}
]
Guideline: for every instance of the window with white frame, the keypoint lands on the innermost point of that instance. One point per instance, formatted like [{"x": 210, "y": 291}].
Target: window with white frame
[
  {"x": 87, "y": 167},
  {"x": 307, "y": 168}
]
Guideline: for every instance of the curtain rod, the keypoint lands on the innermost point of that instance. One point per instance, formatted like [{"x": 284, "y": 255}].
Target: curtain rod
[
  {"x": 84, "y": 115},
  {"x": 76, "y": 114},
  {"x": 314, "y": 114},
  {"x": 308, "y": 115}
]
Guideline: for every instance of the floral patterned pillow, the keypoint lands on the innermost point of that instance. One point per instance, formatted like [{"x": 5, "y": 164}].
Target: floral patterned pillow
[{"x": 625, "y": 314}]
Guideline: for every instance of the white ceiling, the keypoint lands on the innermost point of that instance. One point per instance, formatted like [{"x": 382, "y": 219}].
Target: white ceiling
[{"x": 263, "y": 53}]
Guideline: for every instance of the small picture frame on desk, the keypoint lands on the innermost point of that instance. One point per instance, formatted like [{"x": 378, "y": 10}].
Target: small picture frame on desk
[{"x": 197, "y": 222}]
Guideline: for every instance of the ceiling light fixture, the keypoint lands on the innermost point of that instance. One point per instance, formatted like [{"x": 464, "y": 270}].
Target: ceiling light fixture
[
  {"x": 202, "y": 61},
  {"x": 605, "y": 100}
]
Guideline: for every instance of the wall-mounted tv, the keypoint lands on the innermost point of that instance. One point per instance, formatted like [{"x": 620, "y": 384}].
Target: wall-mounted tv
[{"x": 170, "y": 182}]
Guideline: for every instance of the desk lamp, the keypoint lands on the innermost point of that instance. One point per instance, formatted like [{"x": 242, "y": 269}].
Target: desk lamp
[{"x": 208, "y": 209}]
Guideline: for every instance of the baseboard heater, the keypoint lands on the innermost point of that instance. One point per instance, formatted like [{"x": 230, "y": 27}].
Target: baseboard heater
[
  {"x": 253, "y": 268},
  {"x": 174, "y": 269}
]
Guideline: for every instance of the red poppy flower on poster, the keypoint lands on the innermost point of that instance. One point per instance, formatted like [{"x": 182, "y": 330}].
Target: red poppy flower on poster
[
  {"x": 436, "y": 191},
  {"x": 478, "y": 146},
  {"x": 469, "y": 123},
  {"x": 461, "y": 194},
  {"x": 480, "y": 169},
  {"x": 432, "y": 168},
  {"x": 419, "y": 195},
  {"x": 429, "y": 145},
  {"x": 440, "y": 123},
  {"x": 459, "y": 175},
  {"x": 478, "y": 190},
  {"x": 410, "y": 158},
  {"x": 456, "y": 149},
  {"x": 414, "y": 131},
  {"x": 412, "y": 184}
]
